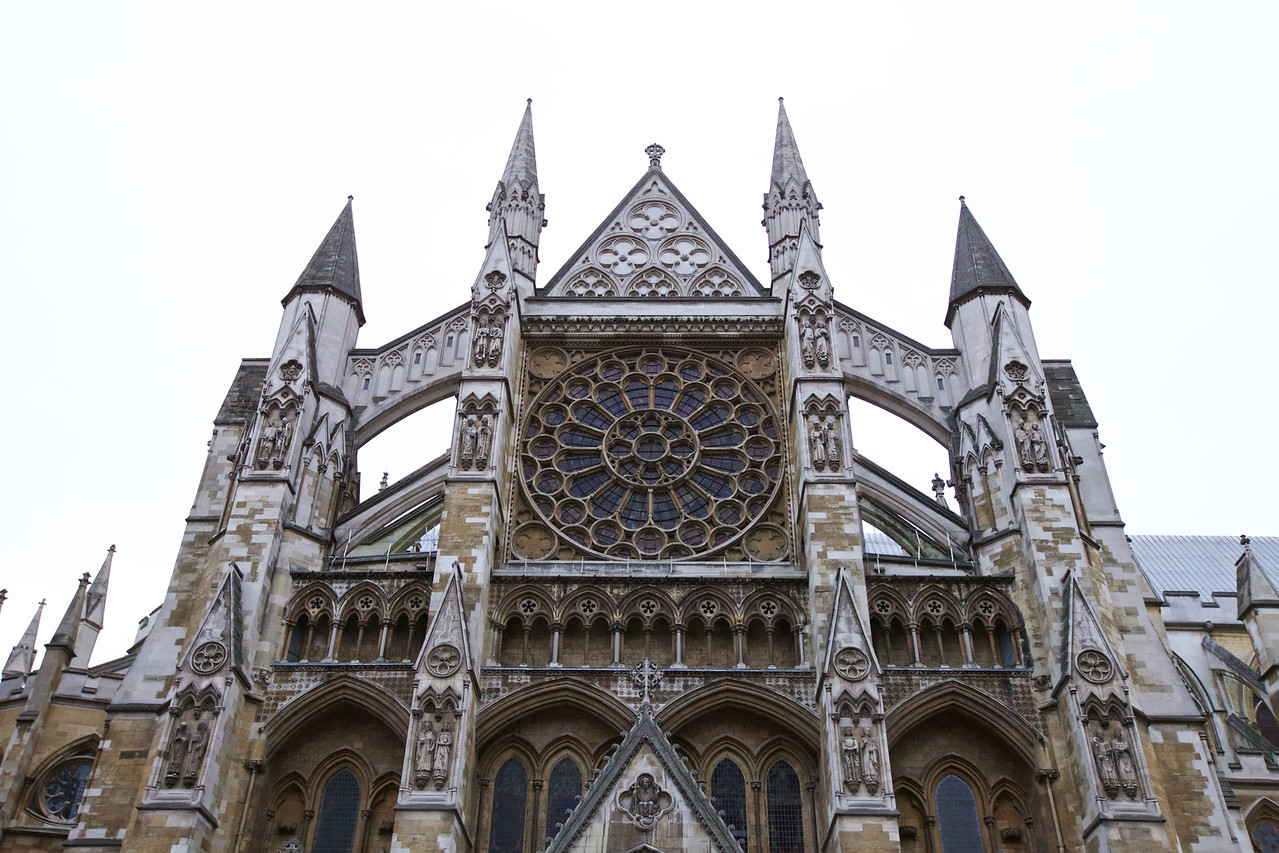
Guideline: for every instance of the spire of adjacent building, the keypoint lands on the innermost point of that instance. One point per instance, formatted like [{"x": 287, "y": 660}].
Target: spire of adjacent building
[
  {"x": 23, "y": 657},
  {"x": 790, "y": 201},
  {"x": 334, "y": 266},
  {"x": 69, "y": 627},
  {"x": 95, "y": 606},
  {"x": 978, "y": 267},
  {"x": 517, "y": 202}
]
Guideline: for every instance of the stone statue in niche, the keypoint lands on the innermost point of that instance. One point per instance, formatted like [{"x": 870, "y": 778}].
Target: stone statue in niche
[
  {"x": 443, "y": 746},
  {"x": 484, "y": 443},
  {"x": 1032, "y": 448},
  {"x": 832, "y": 443},
  {"x": 1038, "y": 447},
  {"x": 1104, "y": 756},
  {"x": 470, "y": 437},
  {"x": 817, "y": 443},
  {"x": 273, "y": 443},
  {"x": 822, "y": 342},
  {"x": 424, "y": 755},
  {"x": 178, "y": 747},
  {"x": 495, "y": 342},
  {"x": 481, "y": 345},
  {"x": 1123, "y": 764},
  {"x": 195, "y": 758},
  {"x": 1021, "y": 435},
  {"x": 851, "y": 754},
  {"x": 870, "y": 762},
  {"x": 808, "y": 341}
]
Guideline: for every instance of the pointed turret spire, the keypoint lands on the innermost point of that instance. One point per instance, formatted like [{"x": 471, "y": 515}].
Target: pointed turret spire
[
  {"x": 95, "y": 606},
  {"x": 23, "y": 657},
  {"x": 334, "y": 266},
  {"x": 64, "y": 637},
  {"x": 517, "y": 201},
  {"x": 790, "y": 200},
  {"x": 978, "y": 267}
]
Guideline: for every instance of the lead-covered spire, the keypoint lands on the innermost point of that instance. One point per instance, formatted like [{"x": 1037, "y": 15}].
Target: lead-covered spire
[
  {"x": 517, "y": 202},
  {"x": 334, "y": 266},
  {"x": 978, "y": 267},
  {"x": 790, "y": 201},
  {"x": 23, "y": 657}
]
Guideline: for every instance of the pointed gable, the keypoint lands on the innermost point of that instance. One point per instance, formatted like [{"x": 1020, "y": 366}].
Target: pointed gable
[
  {"x": 22, "y": 659},
  {"x": 849, "y": 653},
  {"x": 654, "y": 244},
  {"x": 1254, "y": 586},
  {"x": 645, "y": 799},
  {"x": 977, "y": 266},
  {"x": 447, "y": 647},
  {"x": 219, "y": 640},
  {"x": 1085, "y": 649},
  {"x": 334, "y": 266}
]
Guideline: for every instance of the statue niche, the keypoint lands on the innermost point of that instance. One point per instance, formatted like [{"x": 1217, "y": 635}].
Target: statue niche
[
  {"x": 1031, "y": 441},
  {"x": 824, "y": 433},
  {"x": 477, "y": 424},
  {"x": 275, "y": 437},
  {"x": 814, "y": 337},
  {"x": 488, "y": 338},
  {"x": 193, "y": 715}
]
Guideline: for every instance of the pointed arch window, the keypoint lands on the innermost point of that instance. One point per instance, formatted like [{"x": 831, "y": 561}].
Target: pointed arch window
[
  {"x": 562, "y": 793},
  {"x": 339, "y": 813},
  {"x": 510, "y": 801},
  {"x": 957, "y": 820},
  {"x": 785, "y": 810},
  {"x": 1265, "y": 837},
  {"x": 728, "y": 787}
]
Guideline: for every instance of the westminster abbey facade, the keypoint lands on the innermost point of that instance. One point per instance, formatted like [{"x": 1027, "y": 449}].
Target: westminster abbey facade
[{"x": 653, "y": 598}]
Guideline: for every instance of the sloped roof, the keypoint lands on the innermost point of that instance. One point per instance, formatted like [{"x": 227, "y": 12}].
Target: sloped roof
[
  {"x": 977, "y": 265},
  {"x": 1202, "y": 564}
]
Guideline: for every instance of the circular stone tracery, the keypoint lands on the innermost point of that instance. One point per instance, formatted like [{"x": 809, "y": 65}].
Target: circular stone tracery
[{"x": 650, "y": 453}]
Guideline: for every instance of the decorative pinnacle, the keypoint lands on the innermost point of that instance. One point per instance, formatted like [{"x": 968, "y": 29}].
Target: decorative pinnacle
[
  {"x": 655, "y": 153},
  {"x": 1245, "y": 541},
  {"x": 961, "y": 199}
]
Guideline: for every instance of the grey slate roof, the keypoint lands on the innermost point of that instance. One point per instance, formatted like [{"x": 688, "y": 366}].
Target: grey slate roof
[
  {"x": 1067, "y": 395},
  {"x": 977, "y": 264},
  {"x": 1202, "y": 564},
  {"x": 241, "y": 399},
  {"x": 334, "y": 264}
]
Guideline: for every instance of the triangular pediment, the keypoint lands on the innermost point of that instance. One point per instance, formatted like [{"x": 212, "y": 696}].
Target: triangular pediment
[
  {"x": 446, "y": 652},
  {"x": 654, "y": 244},
  {"x": 850, "y": 656},
  {"x": 1086, "y": 651},
  {"x": 644, "y": 799},
  {"x": 218, "y": 643}
]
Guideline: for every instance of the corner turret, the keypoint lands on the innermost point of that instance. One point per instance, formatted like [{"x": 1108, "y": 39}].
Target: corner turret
[
  {"x": 518, "y": 204},
  {"x": 790, "y": 201}
]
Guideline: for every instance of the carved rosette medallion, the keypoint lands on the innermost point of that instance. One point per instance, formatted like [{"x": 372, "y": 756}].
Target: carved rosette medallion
[
  {"x": 208, "y": 658},
  {"x": 444, "y": 660},
  {"x": 650, "y": 453},
  {"x": 1094, "y": 666},
  {"x": 852, "y": 664},
  {"x": 644, "y": 802}
]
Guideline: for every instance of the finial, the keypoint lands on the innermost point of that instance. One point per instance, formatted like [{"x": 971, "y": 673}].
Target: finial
[
  {"x": 111, "y": 549},
  {"x": 781, "y": 100},
  {"x": 84, "y": 579},
  {"x": 1245, "y": 541},
  {"x": 530, "y": 102},
  {"x": 655, "y": 153},
  {"x": 961, "y": 199},
  {"x": 43, "y": 601},
  {"x": 350, "y": 198}
]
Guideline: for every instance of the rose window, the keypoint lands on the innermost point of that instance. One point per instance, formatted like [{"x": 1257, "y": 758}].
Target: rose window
[{"x": 663, "y": 454}]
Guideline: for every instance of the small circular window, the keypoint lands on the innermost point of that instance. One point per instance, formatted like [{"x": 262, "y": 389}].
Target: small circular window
[{"x": 62, "y": 788}]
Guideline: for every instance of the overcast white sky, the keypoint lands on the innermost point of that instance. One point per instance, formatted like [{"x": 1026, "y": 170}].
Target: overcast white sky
[{"x": 169, "y": 169}]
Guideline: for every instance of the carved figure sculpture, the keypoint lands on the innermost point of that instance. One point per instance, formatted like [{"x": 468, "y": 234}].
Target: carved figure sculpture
[
  {"x": 1105, "y": 765},
  {"x": 266, "y": 445},
  {"x": 851, "y": 754},
  {"x": 832, "y": 444},
  {"x": 817, "y": 444},
  {"x": 484, "y": 444},
  {"x": 177, "y": 755},
  {"x": 495, "y": 343},
  {"x": 1026, "y": 455},
  {"x": 807, "y": 342},
  {"x": 870, "y": 762},
  {"x": 822, "y": 343},
  {"x": 424, "y": 755},
  {"x": 470, "y": 435},
  {"x": 283, "y": 436},
  {"x": 443, "y": 746},
  {"x": 481, "y": 345},
  {"x": 1038, "y": 447},
  {"x": 199, "y": 746},
  {"x": 645, "y": 802},
  {"x": 1123, "y": 764}
]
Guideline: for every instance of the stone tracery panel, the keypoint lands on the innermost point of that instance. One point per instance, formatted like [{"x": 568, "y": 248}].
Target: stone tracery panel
[{"x": 651, "y": 453}]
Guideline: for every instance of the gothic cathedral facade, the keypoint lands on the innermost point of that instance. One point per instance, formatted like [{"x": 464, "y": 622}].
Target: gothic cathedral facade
[{"x": 652, "y": 599}]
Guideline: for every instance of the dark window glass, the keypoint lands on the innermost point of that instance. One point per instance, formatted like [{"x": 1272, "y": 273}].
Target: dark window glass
[
  {"x": 510, "y": 795},
  {"x": 339, "y": 810},
  {"x": 728, "y": 787},
  {"x": 417, "y": 358},
  {"x": 1266, "y": 837},
  {"x": 613, "y": 401},
  {"x": 785, "y": 810},
  {"x": 664, "y": 394},
  {"x": 857, "y": 341},
  {"x": 957, "y": 820},
  {"x": 366, "y": 383},
  {"x": 1267, "y": 723},
  {"x": 941, "y": 384},
  {"x": 562, "y": 793},
  {"x": 888, "y": 357},
  {"x": 64, "y": 788}
]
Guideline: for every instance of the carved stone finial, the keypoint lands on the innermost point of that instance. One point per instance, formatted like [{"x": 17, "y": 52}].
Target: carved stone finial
[
  {"x": 655, "y": 153},
  {"x": 961, "y": 199},
  {"x": 1244, "y": 540},
  {"x": 382, "y": 485}
]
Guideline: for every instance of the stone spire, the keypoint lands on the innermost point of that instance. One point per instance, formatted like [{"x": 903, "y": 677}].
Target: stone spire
[
  {"x": 978, "y": 267},
  {"x": 95, "y": 606},
  {"x": 334, "y": 267},
  {"x": 64, "y": 637},
  {"x": 23, "y": 657},
  {"x": 517, "y": 201},
  {"x": 790, "y": 200}
]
